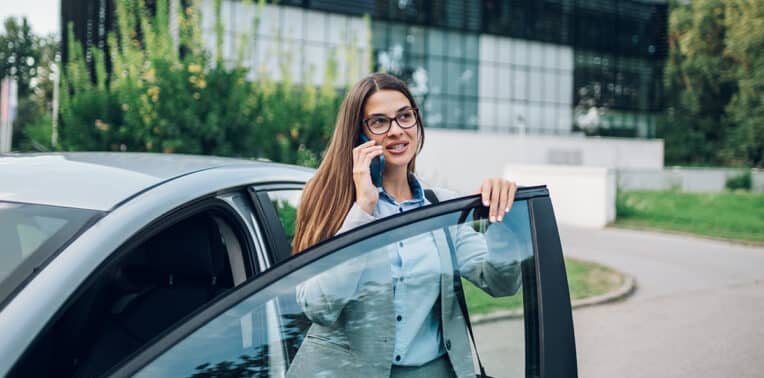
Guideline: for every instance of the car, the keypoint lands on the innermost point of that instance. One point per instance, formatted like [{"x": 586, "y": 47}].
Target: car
[{"x": 137, "y": 264}]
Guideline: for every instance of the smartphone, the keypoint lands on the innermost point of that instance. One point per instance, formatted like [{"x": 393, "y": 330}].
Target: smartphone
[{"x": 377, "y": 165}]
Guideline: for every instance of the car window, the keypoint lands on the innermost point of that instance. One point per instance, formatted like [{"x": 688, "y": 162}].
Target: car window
[
  {"x": 148, "y": 289},
  {"x": 286, "y": 203},
  {"x": 384, "y": 300},
  {"x": 30, "y": 234}
]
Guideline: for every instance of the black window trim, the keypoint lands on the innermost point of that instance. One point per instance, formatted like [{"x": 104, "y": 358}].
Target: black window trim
[
  {"x": 532, "y": 194},
  {"x": 273, "y": 231}
]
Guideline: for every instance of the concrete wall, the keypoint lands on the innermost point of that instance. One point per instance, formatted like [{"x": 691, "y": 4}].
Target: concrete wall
[
  {"x": 581, "y": 196},
  {"x": 578, "y": 171},
  {"x": 757, "y": 184},
  {"x": 461, "y": 159},
  {"x": 684, "y": 179}
]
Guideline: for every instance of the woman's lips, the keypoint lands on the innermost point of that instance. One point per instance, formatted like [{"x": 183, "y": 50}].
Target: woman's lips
[{"x": 397, "y": 148}]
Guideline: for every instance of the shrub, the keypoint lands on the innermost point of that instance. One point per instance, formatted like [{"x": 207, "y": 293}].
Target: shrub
[
  {"x": 160, "y": 98},
  {"x": 740, "y": 181}
]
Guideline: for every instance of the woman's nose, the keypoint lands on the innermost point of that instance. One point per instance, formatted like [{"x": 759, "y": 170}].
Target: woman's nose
[{"x": 395, "y": 128}]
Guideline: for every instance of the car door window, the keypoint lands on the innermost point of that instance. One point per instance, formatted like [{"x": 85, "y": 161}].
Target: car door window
[
  {"x": 276, "y": 206},
  {"x": 384, "y": 296},
  {"x": 286, "y": 203},
  {"x": 153, "y": 283}
]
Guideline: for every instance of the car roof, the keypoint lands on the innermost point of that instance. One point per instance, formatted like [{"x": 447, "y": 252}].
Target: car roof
[{"x": 101, "y": 180}]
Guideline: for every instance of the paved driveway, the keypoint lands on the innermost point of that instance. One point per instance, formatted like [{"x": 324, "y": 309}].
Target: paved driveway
[{"x": 698, "y": 310}]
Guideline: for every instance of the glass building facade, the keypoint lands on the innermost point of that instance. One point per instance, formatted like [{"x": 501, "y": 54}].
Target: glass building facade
[{"x": 556, "y": 67}]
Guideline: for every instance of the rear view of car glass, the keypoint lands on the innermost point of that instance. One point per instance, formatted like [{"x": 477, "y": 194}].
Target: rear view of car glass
[
  {"x": 30, "y": 234},
  {"x": 385, "y": 302}
]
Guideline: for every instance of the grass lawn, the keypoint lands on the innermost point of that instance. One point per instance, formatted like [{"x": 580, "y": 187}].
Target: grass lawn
[
  {"x": 727, "y": 215},
  {"x": 585, "y": 279}
]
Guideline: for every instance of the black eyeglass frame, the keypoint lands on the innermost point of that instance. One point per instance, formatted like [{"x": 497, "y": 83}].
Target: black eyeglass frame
[{"x": 365, "y": 121}]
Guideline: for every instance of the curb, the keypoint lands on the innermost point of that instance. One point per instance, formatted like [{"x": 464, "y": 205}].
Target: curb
[{"x": 624, "y": 291}]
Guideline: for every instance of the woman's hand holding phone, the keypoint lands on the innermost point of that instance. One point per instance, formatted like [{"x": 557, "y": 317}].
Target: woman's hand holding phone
[{"x": 367, "y": 194}]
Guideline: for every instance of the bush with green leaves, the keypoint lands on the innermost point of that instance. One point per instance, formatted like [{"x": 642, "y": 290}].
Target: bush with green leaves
[
  {"x": 166, "y": 96},
  {"x": 742, "y": 181}
]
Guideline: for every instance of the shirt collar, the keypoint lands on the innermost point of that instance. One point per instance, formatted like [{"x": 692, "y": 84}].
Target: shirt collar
[{"x": 416, "y": 191}]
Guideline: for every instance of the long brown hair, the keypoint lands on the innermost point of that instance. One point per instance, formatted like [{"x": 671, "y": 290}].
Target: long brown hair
[{"x": 330, "y": 194}]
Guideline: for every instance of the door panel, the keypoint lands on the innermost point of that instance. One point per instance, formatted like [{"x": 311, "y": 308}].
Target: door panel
[{"x": 380, "y": 295}]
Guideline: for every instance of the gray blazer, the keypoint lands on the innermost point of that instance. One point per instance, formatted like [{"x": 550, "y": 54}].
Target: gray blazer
[{"x": 351, "y": 305}]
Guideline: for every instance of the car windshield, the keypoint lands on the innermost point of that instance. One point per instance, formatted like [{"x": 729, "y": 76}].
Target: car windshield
[{"x": 30, "y": 234}]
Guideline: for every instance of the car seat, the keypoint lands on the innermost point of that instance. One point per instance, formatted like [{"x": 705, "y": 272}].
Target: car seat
[{"x": 185, "y": 267}]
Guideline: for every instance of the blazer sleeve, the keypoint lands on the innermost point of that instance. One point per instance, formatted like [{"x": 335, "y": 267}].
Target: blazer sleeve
[
  {"x": 492, "y": 260},
  {"x": 323, "y": 296}
]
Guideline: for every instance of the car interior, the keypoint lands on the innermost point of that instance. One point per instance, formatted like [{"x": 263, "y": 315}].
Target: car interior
[{"x": 151, "y": 287}]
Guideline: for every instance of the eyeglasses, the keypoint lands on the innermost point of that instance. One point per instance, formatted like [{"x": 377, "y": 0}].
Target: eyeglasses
[{"x": 379, "y": 124}]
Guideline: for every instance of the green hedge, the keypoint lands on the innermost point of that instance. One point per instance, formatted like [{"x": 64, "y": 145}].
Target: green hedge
[{"x": 157, "y": 97}]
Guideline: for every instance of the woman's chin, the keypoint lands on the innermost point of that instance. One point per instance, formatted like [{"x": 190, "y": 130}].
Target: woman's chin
[{"x": 397, "y": 161}]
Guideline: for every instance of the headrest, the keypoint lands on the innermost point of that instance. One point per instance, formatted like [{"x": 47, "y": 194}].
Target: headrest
[{"x": 190, "y": 249}]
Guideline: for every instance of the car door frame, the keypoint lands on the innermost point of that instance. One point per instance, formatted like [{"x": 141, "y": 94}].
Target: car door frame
[
  {"x": 554, "y": 346},
  {"x": 274, "y": 237}
]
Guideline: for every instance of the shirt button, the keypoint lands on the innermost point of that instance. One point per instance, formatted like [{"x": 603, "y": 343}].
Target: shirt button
[
  {"x": 398, "y": 318},
  {"x": 398, "y": 358},
  {"x": 400, "y": 209},
  {"x": 400, "y": 244},
  {"x": 448, "y": 344}
]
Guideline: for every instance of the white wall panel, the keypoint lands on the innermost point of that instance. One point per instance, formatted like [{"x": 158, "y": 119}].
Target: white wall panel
[
  {"x": 488, "y": 81},
  {"x": 550, "y": 82},
  {"x": 293, "y": 25},
  {"x": 315, "y": 62},
  {"x": 536, "y": 85},
  {"x": 488, "y": 49},
  {"x": 565, "y": 119},
  {"x": 358, "y": 31},
  {"x": 505, "y": 51},
  {"x": 226, "y": 15},
  {"x": 551, "y": 56},
  {"x": 269, "y": 21},
  {"x": 243, "y": 16},
  {"x": 503, "y": 83},
  {"x": 565, "y": 92},
  {"x": 519, "y": 85},
  {"x": 519, "y": 52},
  {"x": 314, "y": 26},
  {"x": 535, "y": 53},
  {"x": 503, "y": 115},
  {"x": 337, "y": 29}
]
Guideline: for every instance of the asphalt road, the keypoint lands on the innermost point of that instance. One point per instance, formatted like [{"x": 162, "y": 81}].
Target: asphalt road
[{"x": 698, "y": 310}]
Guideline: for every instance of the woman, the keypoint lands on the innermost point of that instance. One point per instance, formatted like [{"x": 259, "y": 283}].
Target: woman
[{"x": 352, "y": 337}]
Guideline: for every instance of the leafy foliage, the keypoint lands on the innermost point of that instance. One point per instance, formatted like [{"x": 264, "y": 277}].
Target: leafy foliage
[
  {"x": 161, "y": 98},
  {"x": 19, "y": 53},
  {"x": 742, "y": 181},
  {"x": 713, "y": 83},
  {"x": 30, "y": 60}
]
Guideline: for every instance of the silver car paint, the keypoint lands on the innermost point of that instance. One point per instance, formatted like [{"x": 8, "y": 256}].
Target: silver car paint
[
  {"x": 94, "y": 180},
  {"x": 24, "y": 317}
]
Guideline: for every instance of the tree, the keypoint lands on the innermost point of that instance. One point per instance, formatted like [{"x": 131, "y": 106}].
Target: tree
[
  {"x": 697, "y": 83},
  {"x": 161, "y": 98},
  {"x": 713, "y": 83},
  {"x": 745, "y": 47},
  {"x": 19, "y": 54}
]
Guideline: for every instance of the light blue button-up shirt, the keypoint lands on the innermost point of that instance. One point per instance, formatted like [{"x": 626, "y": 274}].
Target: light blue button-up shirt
[{"x": 416, "y": 286}]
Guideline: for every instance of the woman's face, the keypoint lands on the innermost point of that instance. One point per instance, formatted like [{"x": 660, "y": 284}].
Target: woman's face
[{"x": 399, "y": 144}]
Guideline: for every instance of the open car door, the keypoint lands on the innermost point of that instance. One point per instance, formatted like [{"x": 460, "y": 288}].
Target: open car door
[{"x": 329, "y": 311}]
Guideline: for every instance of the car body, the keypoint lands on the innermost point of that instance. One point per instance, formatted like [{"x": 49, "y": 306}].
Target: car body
[{"x": 118, "y": 263}]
